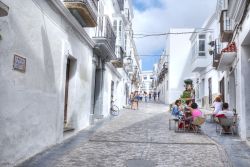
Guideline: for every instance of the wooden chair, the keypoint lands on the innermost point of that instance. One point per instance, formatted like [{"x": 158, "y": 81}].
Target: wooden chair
[
  {"x": 227, "y": 122},
  {"x": 196, "y": 123}
]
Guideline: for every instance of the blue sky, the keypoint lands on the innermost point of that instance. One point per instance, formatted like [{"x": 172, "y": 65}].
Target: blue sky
[{"x": 158, "y": 16}]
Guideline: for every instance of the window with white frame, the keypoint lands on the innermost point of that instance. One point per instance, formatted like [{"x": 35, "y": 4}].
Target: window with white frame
[
  {"x": 202, "y": 47},
  {"x": 115, "y": 26},
  {"x": 120, "y": 29}
]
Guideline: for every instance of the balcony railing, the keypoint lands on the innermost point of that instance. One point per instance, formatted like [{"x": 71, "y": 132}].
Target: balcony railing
[
  {"x": 127, "y": 13},
  {"x": 121, "y": 4},
  {"x": 105, "y": 38},
  {"x": 226, "y": 27},
  {"x": 118, "y": 62},
  {"x": 85, "y": 11},
  {"x": 227, "y": 57},
  {"x": 217, "y": 53}
]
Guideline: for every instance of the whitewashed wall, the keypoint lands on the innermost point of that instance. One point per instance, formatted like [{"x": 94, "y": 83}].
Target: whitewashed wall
[
  {"x": 178, "y": 49},
  {"x": 32, "y": 103}
]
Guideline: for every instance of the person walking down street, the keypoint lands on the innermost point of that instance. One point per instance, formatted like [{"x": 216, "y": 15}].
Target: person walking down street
[
  {"x": 136, "y": 101},
  {"x": 131, "y": 99},
  {"x": 159, "y": 95},
  {"x": 141, "y": 96},
  {"x": 154, "y": 95},
  {"x": 146, "y": 97},
  {"x": 149, "y": 96}
]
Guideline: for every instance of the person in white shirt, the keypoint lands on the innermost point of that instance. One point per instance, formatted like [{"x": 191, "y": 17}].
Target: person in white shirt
[
  {"x": 217, "y": 105},
  {"x": 227, "y": 113}
]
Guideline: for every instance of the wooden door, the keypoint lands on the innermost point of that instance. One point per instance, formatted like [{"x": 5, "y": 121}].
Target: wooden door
[
  {"x": 210, "y": 96},
  {"x": 222, "y": 89},
  {"x": 66, "y": 91}
]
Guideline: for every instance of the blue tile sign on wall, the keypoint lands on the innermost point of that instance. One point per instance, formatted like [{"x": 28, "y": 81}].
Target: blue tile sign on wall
[{"x": 19, "y": 63}]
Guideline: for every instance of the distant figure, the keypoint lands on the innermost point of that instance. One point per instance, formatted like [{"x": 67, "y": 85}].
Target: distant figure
[
  {"x": 131, "y": 99},
  {"x": 149, "y": 96},
  {"x": 136, "y": 98},
  {"x": 154, "y": 95},
  {"x": 141, "y": 96},
  {"x": 158, "y": 95},
  {"x": 146, "y": 96}
]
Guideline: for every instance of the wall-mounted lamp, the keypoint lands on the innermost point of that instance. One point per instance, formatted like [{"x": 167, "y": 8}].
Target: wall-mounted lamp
[
  {"x": 212, "y": 43},
  {"x": 4, "y": 9}
]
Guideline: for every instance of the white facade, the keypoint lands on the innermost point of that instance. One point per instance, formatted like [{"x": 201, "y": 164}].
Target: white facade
[
  {"x": 179, "y": 62},
  {"x": 235, "y": 64},
  {"x": 206, "y": 81},
  {"x": 162, "y": 75},
  {"x": 69, "y": 78},
  {"x": 146, "y": 81}
]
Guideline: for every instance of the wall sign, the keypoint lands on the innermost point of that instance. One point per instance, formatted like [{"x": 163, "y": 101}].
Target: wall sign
[{"x": 19, "y": 63}]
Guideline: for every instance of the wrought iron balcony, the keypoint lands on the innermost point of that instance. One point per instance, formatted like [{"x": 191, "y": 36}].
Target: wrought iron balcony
[
  {"x": 226, "y": 27},
  {"x": 121, "y": 4},
  {"x": 126, "y": 12},
  {"x": 217, "y": 53},
  {"x": 4, "y": 9},
  {"x": 85, "y": 11},
  {"x": 118, "y": 62},
  {"x": 105, "y": 39},
  {"x": 227, "y": 57}
]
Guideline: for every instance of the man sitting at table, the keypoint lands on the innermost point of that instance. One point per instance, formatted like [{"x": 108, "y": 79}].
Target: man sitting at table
[{"x": 225, "y": 113}]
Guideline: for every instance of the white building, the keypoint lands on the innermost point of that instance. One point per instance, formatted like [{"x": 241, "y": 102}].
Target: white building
[
  {"x": 206, "y": 81},
  {"x": 162, "y": 81},
  {"x": 60, "y": 66},
  {"x": 178, "y": 64},
  {"x": 146, "y": 81},
  {"x": 234, "y": 59}
]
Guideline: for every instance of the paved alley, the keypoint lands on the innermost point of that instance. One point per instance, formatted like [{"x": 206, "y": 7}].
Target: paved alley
[{"x": 135, "y": 138}]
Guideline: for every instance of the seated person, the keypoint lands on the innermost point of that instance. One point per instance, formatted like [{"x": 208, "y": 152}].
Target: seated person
[
  {"x": 177, "y": 110},
  {"x": 195, "y": 111},
  {"x": 225, "y": 112},
  {"x": 188, "y": 109}
]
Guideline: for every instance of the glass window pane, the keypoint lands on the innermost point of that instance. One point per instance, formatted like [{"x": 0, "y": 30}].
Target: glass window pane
[
  {"x": 202, "y": 45},
  {"x": 202, "y": 36}
]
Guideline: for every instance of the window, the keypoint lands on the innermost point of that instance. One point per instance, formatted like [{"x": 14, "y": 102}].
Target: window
[
  {"x": 125, "y": 42},
  {"x": 202, "y": 38},
  {"x": 145, "y": 77},
  {"x": 120, "y": 29},
  {"x": 115, "y": 26}
]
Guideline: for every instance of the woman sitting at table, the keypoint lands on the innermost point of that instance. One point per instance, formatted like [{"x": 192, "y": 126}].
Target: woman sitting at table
[
  {"x": 195, "y": 112},
  {"x": 177, "y": 109}
]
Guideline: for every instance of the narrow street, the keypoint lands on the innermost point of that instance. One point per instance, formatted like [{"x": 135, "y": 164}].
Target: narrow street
[{"x": 135, "y": 138}]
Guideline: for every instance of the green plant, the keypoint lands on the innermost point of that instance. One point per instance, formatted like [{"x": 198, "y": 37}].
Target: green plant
[
  {"x": 186, "y": 94},
  {"x": 188, "y": 81}
]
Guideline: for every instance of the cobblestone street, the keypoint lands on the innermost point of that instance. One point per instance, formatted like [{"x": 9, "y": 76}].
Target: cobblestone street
[{"x": 134, "y": 138}]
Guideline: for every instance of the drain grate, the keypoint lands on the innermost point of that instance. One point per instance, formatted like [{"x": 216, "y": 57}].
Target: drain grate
[{"x": 140, "y": 163}]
